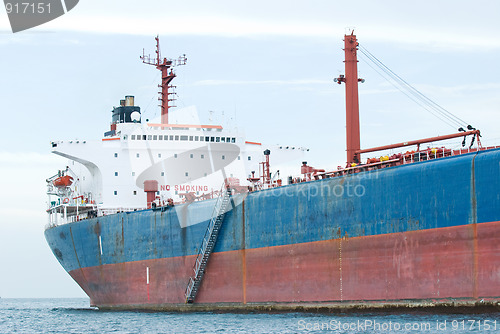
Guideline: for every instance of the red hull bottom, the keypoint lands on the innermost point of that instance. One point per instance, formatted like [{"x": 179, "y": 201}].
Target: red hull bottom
[{"x": 442, "y": 265}]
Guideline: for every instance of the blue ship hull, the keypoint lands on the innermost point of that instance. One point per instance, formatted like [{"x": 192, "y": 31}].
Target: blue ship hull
[{"x": 427, "y": 231}]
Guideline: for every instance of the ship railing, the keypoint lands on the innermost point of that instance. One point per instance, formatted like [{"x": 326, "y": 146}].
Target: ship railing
[
  {"x": 112, "y": 211},
  {"x": 67, "y": 213},
  {"x": 393, "y": 160},
  {"x": 342, "y": 171},
  {"x": 440, "y": 152}
]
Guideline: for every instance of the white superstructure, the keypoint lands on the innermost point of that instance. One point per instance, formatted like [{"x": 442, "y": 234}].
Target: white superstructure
[
  {"x": 188, "y": 161},
  {"x": 140, "y": 165}
]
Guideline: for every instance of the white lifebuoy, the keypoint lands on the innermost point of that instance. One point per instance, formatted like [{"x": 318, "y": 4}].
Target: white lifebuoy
[{"x": 66, "y": 200}]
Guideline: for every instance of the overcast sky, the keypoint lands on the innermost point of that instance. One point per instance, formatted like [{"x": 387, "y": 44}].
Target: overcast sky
[{"x": 267, "y": 65}]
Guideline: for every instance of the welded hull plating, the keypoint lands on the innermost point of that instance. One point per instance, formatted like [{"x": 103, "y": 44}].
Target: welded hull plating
[{"x": 427, "y": 231}]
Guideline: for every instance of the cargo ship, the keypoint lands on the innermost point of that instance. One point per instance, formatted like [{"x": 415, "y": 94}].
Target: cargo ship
[{"x": 166, "y": 216}]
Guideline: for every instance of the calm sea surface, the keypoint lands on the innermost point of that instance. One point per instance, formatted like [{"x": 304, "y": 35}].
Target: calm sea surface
[{"x": 75, "y": 316}]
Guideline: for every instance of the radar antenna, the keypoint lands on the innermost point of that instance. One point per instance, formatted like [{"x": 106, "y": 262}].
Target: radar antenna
[{"x": 167, "y": 75}]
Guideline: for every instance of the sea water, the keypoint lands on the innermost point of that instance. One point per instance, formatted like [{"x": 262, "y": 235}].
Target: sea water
[{"x": 75, "y": 316}]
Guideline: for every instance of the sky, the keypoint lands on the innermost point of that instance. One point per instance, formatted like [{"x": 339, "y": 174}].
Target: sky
[{"x": 266, "y": 66}]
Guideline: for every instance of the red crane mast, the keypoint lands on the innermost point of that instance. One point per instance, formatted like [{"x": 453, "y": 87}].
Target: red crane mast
[{"x": 351, "y": 93}]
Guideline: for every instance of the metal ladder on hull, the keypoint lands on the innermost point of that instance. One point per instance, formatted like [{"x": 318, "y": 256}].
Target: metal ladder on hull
[{"x": 208, "y": 244}]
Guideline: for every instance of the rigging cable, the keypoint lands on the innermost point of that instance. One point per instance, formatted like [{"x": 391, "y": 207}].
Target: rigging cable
[
  {"x": 155, "y": 95},
  {"x": 408, "y": 89},
  {"x": 411, "y": 97}
]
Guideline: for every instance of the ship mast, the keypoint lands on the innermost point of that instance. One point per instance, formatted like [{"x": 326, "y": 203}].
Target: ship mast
[
  {"x": 167, "y": 75},
  {"x": 351, "y": 80},
  {"x": 351, "y": 91}
]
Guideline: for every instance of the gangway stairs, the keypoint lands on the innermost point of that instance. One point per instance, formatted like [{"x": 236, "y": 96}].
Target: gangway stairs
[{"x": 208, "y": 243}]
